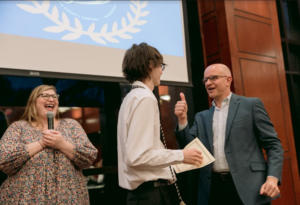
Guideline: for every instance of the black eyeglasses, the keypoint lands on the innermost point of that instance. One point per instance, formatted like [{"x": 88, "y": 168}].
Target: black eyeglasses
[
  {"x": 47, "y": 96},
  {"x": 163, "y": 66},
  {"x": 212, "y": 78}
]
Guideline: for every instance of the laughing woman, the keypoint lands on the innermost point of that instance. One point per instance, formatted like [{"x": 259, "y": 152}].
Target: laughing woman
[{"x": 44, "y": 166}]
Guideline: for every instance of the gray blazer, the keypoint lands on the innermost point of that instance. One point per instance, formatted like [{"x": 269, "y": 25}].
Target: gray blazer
[{"x": 248, "y": 130}]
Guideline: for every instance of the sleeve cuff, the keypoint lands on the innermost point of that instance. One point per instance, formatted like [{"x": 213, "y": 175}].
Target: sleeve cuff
[
  {"x": 181, "y": 127},
  {"x": 178, "y": 155},
  {"x": 274, "y": 177}
]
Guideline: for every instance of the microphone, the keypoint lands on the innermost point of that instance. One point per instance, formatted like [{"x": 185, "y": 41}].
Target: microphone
[{"x": 50, "y": 119}]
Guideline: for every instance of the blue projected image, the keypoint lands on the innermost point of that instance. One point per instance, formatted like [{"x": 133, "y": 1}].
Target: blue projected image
[{"x": 114, "y": 24}]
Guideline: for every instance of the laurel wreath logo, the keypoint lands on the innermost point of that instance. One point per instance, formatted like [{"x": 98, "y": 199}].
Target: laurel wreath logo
[{"x": 136, "y": 7}]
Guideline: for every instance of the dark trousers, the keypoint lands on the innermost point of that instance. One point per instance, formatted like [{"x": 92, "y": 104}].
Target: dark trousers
[
  {"x": 223, "y": 191},
  {"x": 145, "y": 195}
]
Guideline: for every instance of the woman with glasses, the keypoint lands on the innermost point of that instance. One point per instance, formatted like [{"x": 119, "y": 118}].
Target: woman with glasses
[{"x": 44, "y": 166}]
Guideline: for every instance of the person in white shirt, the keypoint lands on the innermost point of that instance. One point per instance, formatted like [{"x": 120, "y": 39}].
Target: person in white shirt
[
  {"x": 235, "y": 130},
  {"x": 143, "y": 162}
]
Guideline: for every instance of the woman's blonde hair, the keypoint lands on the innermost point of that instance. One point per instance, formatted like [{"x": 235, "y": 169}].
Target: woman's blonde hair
[{"x": 30, "y": 115}]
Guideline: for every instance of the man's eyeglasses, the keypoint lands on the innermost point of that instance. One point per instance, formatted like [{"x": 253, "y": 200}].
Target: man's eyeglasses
[
  {"x": 212, "y": 78},
  {"x": 47, "y": 96},
  {"x": 163, "y": 66}
]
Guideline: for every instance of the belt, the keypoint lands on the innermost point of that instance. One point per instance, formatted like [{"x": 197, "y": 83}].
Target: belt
[
  {"x": 157, "y": 183},
  {"x": 223, "y": 176}
]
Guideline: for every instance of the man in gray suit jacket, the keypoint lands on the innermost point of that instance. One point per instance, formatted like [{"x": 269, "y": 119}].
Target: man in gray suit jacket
[{"x": 235, "y": 130}]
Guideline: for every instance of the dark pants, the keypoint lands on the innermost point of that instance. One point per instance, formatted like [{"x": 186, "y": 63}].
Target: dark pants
[
  {"x": 223, "y": 191},
  {"x": 145, "y": 195}
]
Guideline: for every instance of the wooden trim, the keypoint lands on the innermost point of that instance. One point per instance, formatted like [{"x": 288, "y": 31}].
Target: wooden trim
[
  {"x": 252, "y": 13},
  {"x": 259, "y": 22}
]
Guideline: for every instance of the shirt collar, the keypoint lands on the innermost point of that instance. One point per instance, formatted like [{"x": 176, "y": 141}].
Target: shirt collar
[
  {"x": 227, "y": 100},
  {"x": 140, "y": 83}
]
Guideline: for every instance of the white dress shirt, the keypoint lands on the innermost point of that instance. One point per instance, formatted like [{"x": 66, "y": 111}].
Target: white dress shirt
[
  {"x": 219, "y": 130},
  {"x": 141, "y": 154}
]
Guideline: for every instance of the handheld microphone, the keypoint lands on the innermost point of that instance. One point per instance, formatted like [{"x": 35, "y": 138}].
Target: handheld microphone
[{"x": 50, "y": 119}]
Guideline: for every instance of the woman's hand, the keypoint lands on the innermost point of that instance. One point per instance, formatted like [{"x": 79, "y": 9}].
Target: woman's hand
[
  {"x": 54, "y": 139},
  {"x": 42, "y": 143}
]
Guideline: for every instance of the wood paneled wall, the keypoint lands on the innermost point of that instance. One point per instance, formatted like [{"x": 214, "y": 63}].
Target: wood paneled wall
[{"x": 244, "y": 35}]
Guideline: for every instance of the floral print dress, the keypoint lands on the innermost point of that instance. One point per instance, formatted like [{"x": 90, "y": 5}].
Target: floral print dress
[{"x": 48, "y": 177}]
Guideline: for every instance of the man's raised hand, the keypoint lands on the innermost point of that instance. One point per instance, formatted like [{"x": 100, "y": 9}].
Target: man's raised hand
[{"x": 181, "y": 109}]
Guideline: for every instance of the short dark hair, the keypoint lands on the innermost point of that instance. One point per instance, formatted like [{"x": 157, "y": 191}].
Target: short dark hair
[{"x": 136, "y": 62}]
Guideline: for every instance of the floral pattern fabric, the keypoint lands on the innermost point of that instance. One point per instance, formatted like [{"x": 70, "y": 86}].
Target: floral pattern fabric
[{"x": 48, "y": 177}]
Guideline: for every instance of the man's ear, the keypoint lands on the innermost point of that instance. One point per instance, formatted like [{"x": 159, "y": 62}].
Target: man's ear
[
  {"x": 151, "y": 65},
  {"x": 229, "y": 80}
]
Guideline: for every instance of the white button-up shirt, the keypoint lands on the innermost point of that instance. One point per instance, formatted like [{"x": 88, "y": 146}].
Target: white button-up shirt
[
  {"x": 219, "y": 130},
  {"x": 141, "y": 154}
]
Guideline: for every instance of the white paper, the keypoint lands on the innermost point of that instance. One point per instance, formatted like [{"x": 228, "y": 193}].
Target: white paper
[{"x": 207, "y": 157}]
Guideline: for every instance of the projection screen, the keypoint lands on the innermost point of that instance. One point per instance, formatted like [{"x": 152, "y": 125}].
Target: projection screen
[{"x": 88, "y": 39}]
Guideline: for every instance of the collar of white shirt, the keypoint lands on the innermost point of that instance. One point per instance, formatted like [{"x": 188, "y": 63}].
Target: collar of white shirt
[
  {"x": 139, "y": 83},
  {"x": 227, "y": 99}
]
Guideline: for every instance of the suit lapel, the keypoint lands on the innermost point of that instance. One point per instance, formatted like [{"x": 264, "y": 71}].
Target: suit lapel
[
  {"x": 233, "y": 106},
  {"x": 209, "y": 121}
]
